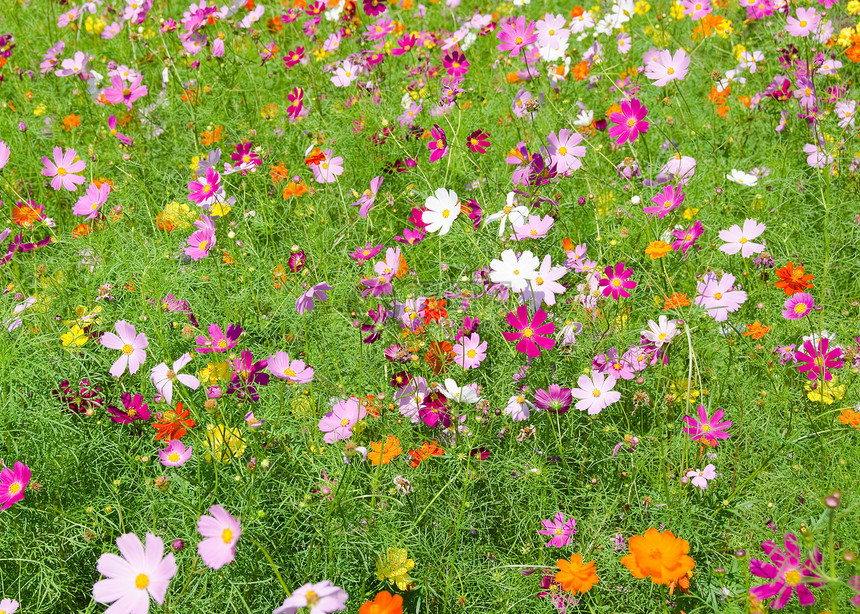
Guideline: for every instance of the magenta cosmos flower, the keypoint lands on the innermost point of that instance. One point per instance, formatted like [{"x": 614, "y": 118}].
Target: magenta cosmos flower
[
  {"x": 798, "y": 306},
  {"x": 664, "y": 202},
  {"x": 121, "y": 92},
  {"x": 560, "y": 529},
  {"x": 203, "y": 193},
  {"x": 132, "y": 345},
  {"x": 787, "y": 573},
  {"x": 516, "y": 36},
  {"x": 140, "y": 573},
  {"x": 533, "y": 334},
  {"x": 175, "y": 454},
  {"x": 816, "y": 360},
  {"x": 63, "y": 169},
  {"x": 717, "y": 296},
  {"x": 617, "y": 281},
  {"x": 686, "y": 238},
  {"x": 133, "y": 409},
  {"x": 294, "y": 371},
  {"x": 438, "y": 144},
  {"x": 222, "y": 532},
  {"x": 218, "y": 341},
  {"x": 555, "y": 399},
  {"x": 368, "y": 198},
  {"x": 337, "y": 424},
  {"x": 665, "y": 67},
  {"x": 455, "y": 63},
  {"x": 595, "y": 393},
  {"x": 740, "y": 239},
  {"x": 90, "y": 203},
  {"x": 322, "y": 598},
  {"x": 630, "y": 123},
  {"x": 708, "y": 429},
  {"x": 13, "y": 482}
]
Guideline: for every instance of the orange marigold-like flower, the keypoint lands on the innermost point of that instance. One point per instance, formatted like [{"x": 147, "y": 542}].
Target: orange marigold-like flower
[
  {"x": 574, "y": 576},
  {"x": 580, "y": 71},
  {"x": 212, "y": 136},
  {"x": 71, "y": 121},
  {"x": 384, "y": 603},
  {"x": 659, "y": 555},
  {"x": 657, "y": 249},
  {"x": 174, "y": 424},
  {"x": 850, "y": 417},
  {"x": 424, "y": 452},
  {"x": 384, "y": 453},
  {"x": 81, "y": 230},
  {"x": 295, "y": 189},
  {"x": 675, "y": 301},
  {"x": 792, "y": 279},
  {"x": 279, "y": 173},
  {"x": 434, "y": 309},
  {"x": 756, "y": 330},
  {"x": 440, "y": 354}
]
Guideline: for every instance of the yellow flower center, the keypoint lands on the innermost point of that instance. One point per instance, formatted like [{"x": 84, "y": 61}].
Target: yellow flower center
[
  {"x": 800, "y": 308},
  {"x": 203, "y": 245},
  {"x": 743, "y": 240},
  {"x": 227, "y": 536},
  {"x": 222, "y": 343},
  {"x": 528, "y": 333},
  {"x": 596, "y": 393},
  {"x": 446, "y": 213},
  {"x": 311, "y": 597},
  {"x": 207, "y": 188},
  {"x": 173, "y": 457},
  {"x": 705, "y": 428},
  {"x": 718, "y": 295},
  {"x": 344, "y": 422},
  {"x": 558, "y": 531},
  {"x": 671, "y": 71},
  {"x": 631, "y": 122},
  {"x": 792, "y": 577},
  {"x": 289, "y": 372},
  {"x": 14, "y": 488},
  {"x": 539, "y": 280},
  {"x": 803, "y": 24},
  {"x": 662, "y": 336},
  {"x": 562, "y": 151},
  {"x": 61, "y": 171},
  {"x": 471, "y": 353},
  {"x": 518, "y": 40},
  {"x": 142, "y": 581},
  {"x": 127, "y": 349},
  {"x": 507, "y": 209},
  {"x": 616, "y": 282}
]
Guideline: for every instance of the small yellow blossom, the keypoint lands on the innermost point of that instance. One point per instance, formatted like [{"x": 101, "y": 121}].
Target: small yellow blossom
[
  {"x": 214, "y": 372},
  {"x": 224, "y": 443},
  {"x": 690, "y": 212},
  {"x": 395, "y": 567},
  {"x": 74, "y": 337},
  {"x": 826, "y": 392},
  {"x": 677, "y": 11},
  {"x": 642, "y": 7}
]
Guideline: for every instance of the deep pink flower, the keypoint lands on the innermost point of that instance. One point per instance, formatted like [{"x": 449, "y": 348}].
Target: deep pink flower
[
  {"x": 533, "y": 334},
  {"x": 561, "y": 530},
  {"x": 456, "y": 64},
  {"x": 438, "y": 144},
  {"x": 664, "y": 202},
  {"x": 134, "y": 409},
  {"x": 617, "y": 281},
  {"x": 686, "y": 238},
  {"x": 516, "y": 36},
  {"x": 798, "y": 306},
  {"x": 219, "y": 341},
  {"x": 13, "y": 482},
  {"x": 121, "y": 92},
  {"x": 630, "y": 123},
  {"x": 787, "y": 573},
  {"x": 709, "y": 429},
  {"x": 203, "y": 193},
  {"x": 816, "y": 360}
]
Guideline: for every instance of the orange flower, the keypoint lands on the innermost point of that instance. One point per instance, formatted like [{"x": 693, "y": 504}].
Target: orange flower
[
  {"x": 616, "y": 108},
  {"x": 657, "y": 249},
  {"x": 567, "y": 245},
  {"x": 580, "y": 71},
  {"x": 576, "y": 11},
  {"x": 441, "y": 354},
  {"x": 189, "y": 96},
  {"x": 575, "y": 577},
  {"x": 384, "y": 454},
  {"x": 434, "y": 310},
  {"x": 385, "y": 603},
  {"x": 294, "y": 189},
  {"x": 316, "y": 157},
  {"x": 792, "y": 279},
  {"x": 756, "y": 330},
  {"x": 71, "y": 121},
  {"x": 676, "y": 301},
  {"x": 174, "y": 424},
  {"x": 81, "y": 230},
  {"x": 279, "y": 277},
  {"x": 424, "y": 452},
  {"x": 659, "y": 555},
  {"x": 279, "y": 173},
  {"x": 850, "y": 417},
  {"x": 212, "y": 136},
  {"x": 24, "y": 215}
]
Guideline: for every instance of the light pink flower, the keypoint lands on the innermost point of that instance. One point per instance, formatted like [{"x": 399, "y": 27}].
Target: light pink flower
[
  {"x": 163, "y": 377},
  {"x": 131, "y": 343},
  {"x": 667, "y": 67},
  {"x": 63, "y": 169},
  {"x": 595, "y": 393},
  {"x": 175, "y": 454},
  {"x": 90, "y": 203},
  {"x": 337, "y": 424},
  {"x": 221, "y": 531},
  {"x": 471, "y": 352},
  {"x": 295, "y": 371},
  {"x": 739, "y": 239}
]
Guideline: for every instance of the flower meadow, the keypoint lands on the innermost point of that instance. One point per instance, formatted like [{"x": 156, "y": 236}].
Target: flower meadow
[{"x": 429, "y": 306}]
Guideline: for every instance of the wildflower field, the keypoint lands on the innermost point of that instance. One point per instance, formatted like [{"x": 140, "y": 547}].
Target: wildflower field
[{"x": 429, "y": 306}]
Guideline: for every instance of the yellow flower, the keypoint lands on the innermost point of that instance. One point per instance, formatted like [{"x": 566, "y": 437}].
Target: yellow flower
[
  {"x": 220, "y": 210},
  {"x": 826, "y": 392},
  {"x": 853, "y": 8},
  {"x": 224, "y": 443},
  {"x": 657, "y": 249},
  {"x": 677, "y": 11},
  {"x": 395, "y": 567},
  {"x": 642, "y": 7},
  {"x": 690, "y": 213},
  {"x": 680, "y": 390},
  {"x": 214, "y": 373},
  {"x": 302, "y": 406},
  {"x": 195, "y": 163},
  {"x": 738, "y": 50},
  {"x": 94, "y": 25},
  {"x": 40, "y": 109},
  {"x": 74, "y": 337}
]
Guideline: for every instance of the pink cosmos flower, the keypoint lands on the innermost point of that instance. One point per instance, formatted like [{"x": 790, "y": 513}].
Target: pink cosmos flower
[
  {"x": 667, "y": 67},
  {"x": 5, "y": 150},
  {"x": 13, "y": 482},
  {"x": 817, "y": 156},
  {"x": 219, "y": 341},
  {"x": 140, "y": 573},
  {"x": 798, "y": 306},
  {"x": 337, "y": 424},
  {"x": 787, "y": 574},
  {"x": 686, "y": 238},
  {"x": 295, "y": 371},
  {"x": 131, "y": 343},
  {"x": 561, "y": 530},
  {"x": 617, "y": 281},
  {"x": 322, "y": 597},
  {"x": 163, "y": 377},
  {"x": 739, "y": 239},
  {"x": 708, "y": 429},
  {"x": 366, "y": 253},
  {"x": 122, "y": 93},
  {"x": 595, "y": 393},
  {"x": 536, "y": 227},
  {"x": 63, "y": 169},
  {"x": 328, "y": 170},
  {"x": 565, "y": 150},
  {"x": 200, "y": 242},
  {"x": 804, "y": 24},
  {"x": 221, "y": 531},
  {"x": 368, "y": 197},
  {"x": 519, "y": 408},
  {"x": 73, "y": 66},
  {"x": 700, "y": 477},
  {"x": 345, "y": 74},
  {"x": 455, "y": 63},
  {"x": 664, "y": 202},
  {"x": 204, "y": 193},
  {"x": 630, "y": 123},
  {"x": 68, "y": 17},
  {"x": 555, "y": 399},
  {"x": 696, "y": 9},
  {"x": 470, "y": 352},
  {"x": 133, "y": 409},
  {"x": 318, "y": 291},
  {"x": 438, "y": 144},
  {"x": 816, "y": 360},
  {"x": 516, "y": 36},
  {"x": 9, "y": 606},
  {"x": 533, "y": 334},
  {"x": 90, "y": 203},
  {"x": 717, "y": 296},
  {"x": 175, "y": 454}
]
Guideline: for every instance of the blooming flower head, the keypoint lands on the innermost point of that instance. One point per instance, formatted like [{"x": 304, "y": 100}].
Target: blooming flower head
[
  {"x": 717, "y": 296},
  {"x": 659, "y": 555},
  {"x": 555, "y": 399},
  {"x": 664, "y": 202},
  {"x": 815, "y": 360},
  {"x": 661, "y": 332},
  {"x": 629, "y": 123},
  {"x": 798, "y": 306},
  {"x": 665, "y": 67},
  {"x": 63, "y": 169},
  {"x": 133, "y": 409},
  {"x": 686, "y": 238},
  {"x": 306, "y": 303},
  {"x": 709, "y": 430},
  {"x": 561, "y": 529},
  {"x": 438, "y": 144},
  {"x": 321, "y": 597},
  {"x": 394, "y": 566},
  {"x": 595, "y": 393},
  {"x": 221, "y": 532},
  {"x": 384, "y": 452},
  {"x": 787, "y": 574},
  {"x": 470, "y": 352},
  {"x": 617, "y": 282},
  {"x": 740, "y": 239},
  {"x": 89, "y": 204},
  {"x": 516, "y": 36},
  {"x": 337, "y": 424},
  {"x": 478, "y": 141},
  {"x": 368, "y": 198},
  {"x": 383, "y": 603},
  {"x": 742, "y": 178},
  {"x": 295, "y": 371},
  {"x": 10, "y": 606},
  {"x": 218, "y": 340},
  {"x": 533, "y": 333},
  {"x": 793, "y": 279},
  {"x": 163, "y": 377},
  {"x": 13, "y": 482},
  {"x": 174, "y": 424},
  {"x": 441, "y": 209},
  {"x": 175, "y": 454},
  {"x": 132, "y": 345},
  {"x": 806, "y": 22},
  {"x": 574, "y": 576},
  {"x": 700, "y": 477},
  {"x": 131, "y": 579}
]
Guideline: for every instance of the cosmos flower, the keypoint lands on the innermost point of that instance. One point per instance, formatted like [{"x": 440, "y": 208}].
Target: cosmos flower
[
  {"x": 710, "y": 430},
  {"x": 13, "y": 483},
  {"x": 533, "y": 333},
  {"x": 787, "y": 574},
  {"x": 132, "y": 345},
  {"x": 740, "y": 239},
  {"x": 63, "y": 169},
  {"x": 595, "y": 393},
  {"x": 221, "y": 532},
  {"x": 560, "y": 529},
  {"x": 629, "y": 123}
]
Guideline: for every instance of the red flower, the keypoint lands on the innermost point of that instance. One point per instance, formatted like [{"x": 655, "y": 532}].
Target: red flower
[{"x": 174, "y": 424}]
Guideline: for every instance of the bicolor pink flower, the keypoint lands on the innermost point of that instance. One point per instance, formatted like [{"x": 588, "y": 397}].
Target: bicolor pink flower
[
  {"x": 740, "y": 239},
  {"x": 13, "y": 483},
  {"x": 132, "y": 345},
  {"x": 163, "y": 377},
  {"x": 140, "y": 573},
  {"x": 175, "y": 454},
  {"x": 337, "y": 424},
  {"x": 708, "y": 429},
  {"x": 700, "y": 477},
  {"x": 787, "y": 573},
  {"x": 222, "y": 532},
  {"x": 630, "y": 123},
  {"x": 717, "y": 296},
  {"x": 204, "y": 193},
  {"x": 616, "y": 281},
  {"x": 565, "y": 150},
  {"x": 90, "y": 203},
  {"x": 561, "y": 529},
  {"x": 533, "y": 333},
  {"x": 815, "y": 360},
  {"x": 63, "y": 169},
  {"x": 455, "y": 63},
  {"x": 804, "y": 24},
  {"x": 218, "y": 341},
  {"x": 667, "y": 67},
  {"x": 798, "y": 306},
  {"x": 470, "y": 352},
  {"x": 516, "y": 36},
  {"x": 294, "y": 371},
  {"x": 121, "y": 92},
  {"x": 200, "y": 242},
  {"x": 595, "y": 393},
  {"x": 554, "y": 399},
  {"x": 318, "y": 291},
  {"x": 669, "y": 199}
]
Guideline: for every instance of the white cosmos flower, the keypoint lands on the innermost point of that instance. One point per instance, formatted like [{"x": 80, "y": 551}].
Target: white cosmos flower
[
  {"x": 442, "y": 209},
  {"x": 513, "y": 272},
  {"x": 512, "y": 212},
  {"x": 742, "y": 177}
]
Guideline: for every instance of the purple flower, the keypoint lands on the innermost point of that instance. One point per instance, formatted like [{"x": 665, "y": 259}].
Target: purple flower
[
  {"x": 787, "y": 573},
  {"x": 318, "y": 291},
  {"x": 135, "y": 409},
  {"x": 555, "y": 400}
]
